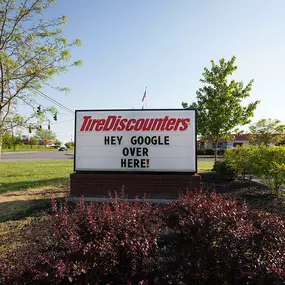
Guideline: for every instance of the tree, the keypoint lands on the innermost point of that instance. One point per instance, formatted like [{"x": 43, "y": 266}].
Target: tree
[
  {"x": 57, "y": 143},
  {"x": 9, "y": 140},
  {"x": 44, "y": 136},
  {"x": 32, "y": 50},
  {"x": 219, "y": 102},
  {"x": 32, "y": 141},
  {"x": 266, "y": 131},
  {"x": 68, "y": 145}
]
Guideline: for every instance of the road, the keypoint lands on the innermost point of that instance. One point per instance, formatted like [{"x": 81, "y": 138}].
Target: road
[
  {"x": 36, "y": 155},
  {"x": 49, "y": 155}
]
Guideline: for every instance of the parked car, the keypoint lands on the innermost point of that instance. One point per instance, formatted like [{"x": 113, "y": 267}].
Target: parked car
[
  {"x": 63, "y": 148},
  {"x": 221, "y": 150}
]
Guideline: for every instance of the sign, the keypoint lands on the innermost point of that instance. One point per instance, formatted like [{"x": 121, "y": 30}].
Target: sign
[{"x": 135, "y": 140}]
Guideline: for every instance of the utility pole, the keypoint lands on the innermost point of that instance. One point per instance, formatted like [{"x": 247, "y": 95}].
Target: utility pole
[{"x": 12, "y": 131}]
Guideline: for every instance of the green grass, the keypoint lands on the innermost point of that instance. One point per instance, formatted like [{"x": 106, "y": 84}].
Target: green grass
[
  {"x": 205, "y": 165},
  {"x": 25, "y": 189},
  {"x": 209, "y": 156},
  {"x": 32, "y": 174}
]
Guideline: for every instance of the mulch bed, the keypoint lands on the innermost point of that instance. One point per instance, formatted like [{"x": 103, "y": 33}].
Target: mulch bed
[{"x": 256, "y": 196}]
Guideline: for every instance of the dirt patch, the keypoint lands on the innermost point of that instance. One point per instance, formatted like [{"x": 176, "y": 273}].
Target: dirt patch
[{"x": 19, "y": 208}]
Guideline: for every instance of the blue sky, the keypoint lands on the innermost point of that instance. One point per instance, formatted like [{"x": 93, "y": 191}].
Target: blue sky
[{"x": 165, "y": 45}]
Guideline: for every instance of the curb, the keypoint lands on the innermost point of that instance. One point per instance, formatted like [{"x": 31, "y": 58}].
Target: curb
[
  {"x": 100, "y": 200},
  {"x": 19, "y": 152}
]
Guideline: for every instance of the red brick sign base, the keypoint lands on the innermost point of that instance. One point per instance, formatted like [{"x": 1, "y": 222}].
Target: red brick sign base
[{"x": 155, "y": 186}]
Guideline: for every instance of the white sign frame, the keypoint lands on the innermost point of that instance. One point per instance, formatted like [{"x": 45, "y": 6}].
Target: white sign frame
[{"x": 142, "y": 112}]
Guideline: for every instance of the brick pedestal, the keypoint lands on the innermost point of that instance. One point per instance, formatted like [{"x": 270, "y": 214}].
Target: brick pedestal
[{"x": 155, "y": 186}]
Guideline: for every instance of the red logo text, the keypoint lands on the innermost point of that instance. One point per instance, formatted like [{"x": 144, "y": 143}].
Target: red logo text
[{"x": 118, "y": 123}]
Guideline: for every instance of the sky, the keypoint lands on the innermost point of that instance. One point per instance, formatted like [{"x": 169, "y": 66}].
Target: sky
[{"x": 165, "y": 45}]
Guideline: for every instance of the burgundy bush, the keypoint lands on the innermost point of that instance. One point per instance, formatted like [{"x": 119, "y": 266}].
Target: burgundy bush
[
  {"x": 215, "y": 241},
  {"x": 93, "y": 243},
  {"x": 200, "y": 238}
]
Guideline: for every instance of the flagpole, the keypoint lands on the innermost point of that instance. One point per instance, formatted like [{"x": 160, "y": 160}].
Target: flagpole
[
  {"x": 144, "y": 99},
  {"x": 146, "y": 102}
]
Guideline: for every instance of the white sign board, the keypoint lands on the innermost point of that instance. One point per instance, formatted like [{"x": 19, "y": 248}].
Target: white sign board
[{"x": 135, "y": 140}]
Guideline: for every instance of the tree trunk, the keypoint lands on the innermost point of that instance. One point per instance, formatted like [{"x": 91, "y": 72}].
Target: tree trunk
[
  {"x": 1, "y": 142},
  {"x": 216, "y": 151}
]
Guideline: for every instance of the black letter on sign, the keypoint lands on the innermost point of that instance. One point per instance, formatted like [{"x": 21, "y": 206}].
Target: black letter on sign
[
  {"x": 166, "y": 140},
  {"x": 123, "y": 162},
  {"x": 125, "y": 151},
  {"x": 106, "y": 140}
]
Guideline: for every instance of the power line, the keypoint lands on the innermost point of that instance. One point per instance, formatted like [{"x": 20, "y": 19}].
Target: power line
[
  {"x": 65, "y": 114},
  {"x": 62, "y": 122},
  {"x": 46, "y": 124},
  {"x": 44, "y": 107},
  {"x": 53, "y": 101},
  {"x": 30, "y": 104}
]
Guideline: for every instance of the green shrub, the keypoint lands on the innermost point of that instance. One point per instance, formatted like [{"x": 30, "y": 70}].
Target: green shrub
[
  {"x": 224, "y": 170},
  {"x": 201, "y": 152},
  {"x": 244, "y": 160},
  {"x": 210, "y": 151},
  {"x": 267, "y": 163},
  {"x": 68, "y": 145},
  {"x": 272, "y": 166}
]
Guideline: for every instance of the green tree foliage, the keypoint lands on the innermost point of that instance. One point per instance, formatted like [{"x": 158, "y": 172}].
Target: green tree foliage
[
  {"x": 266, "y": 131},
  {"x": 7, "y": 140},
  {"x": 68, "y": 145},
  {"x": 10, "y": 140},
  {"x": 57, "y": 143},
  {"x": 32, "y": 50},
  {"x": 44, "y": 136},
  {"x": 33, "y": 141},
  {"x": 219, "y": 102}
]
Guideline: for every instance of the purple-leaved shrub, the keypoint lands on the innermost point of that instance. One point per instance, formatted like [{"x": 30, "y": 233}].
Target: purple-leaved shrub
[{"x": 201, "y": 238}]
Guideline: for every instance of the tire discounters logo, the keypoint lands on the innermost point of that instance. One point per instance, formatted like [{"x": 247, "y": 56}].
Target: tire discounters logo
[
  {"x": 141, "y": 140},
  {"x": 118, "y": 123}
]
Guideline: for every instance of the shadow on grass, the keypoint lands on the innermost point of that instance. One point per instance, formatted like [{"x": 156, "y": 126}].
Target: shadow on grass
[
  {"x": 22, "y": 185},
  {"x": 48, "y": 193},
  {"x": 17, "y": 210}
]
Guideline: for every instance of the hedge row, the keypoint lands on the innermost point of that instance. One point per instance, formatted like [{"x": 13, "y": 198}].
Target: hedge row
[
  {"x": 24, "y": 146},
  {"x": 209, "y": 151},
  {"x": 200, "y": 238},
  {"x": 267, "y": 163}
]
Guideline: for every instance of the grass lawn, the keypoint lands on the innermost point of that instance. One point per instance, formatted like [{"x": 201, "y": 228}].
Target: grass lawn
[
  {"x": 205, "y": 165},
  {"x": 31, "y": 174},
  {"x": 209, "y": 156},
  {"x": 25, "y": 190}
]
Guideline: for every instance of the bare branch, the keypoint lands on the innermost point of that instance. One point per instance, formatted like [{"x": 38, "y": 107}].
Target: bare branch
[{"x": 4, "y": 21}]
